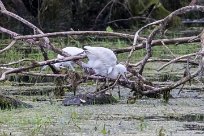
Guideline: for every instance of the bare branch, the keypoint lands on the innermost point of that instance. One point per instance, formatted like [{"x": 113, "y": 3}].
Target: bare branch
[
  {"x": 15, "y": 62},
  {"x": 164, "y": 21},
  {"x": 6, "y": 12},
  {"x": 131, "y": 18},
  {"x": 8, "y": 47},
  {"x": 176, "y": 59},
  {"x": 159, "y": 43},
  {"x": 2, "y": 6},
  {"x": 166, "y": 60},
  {"x": 38, "y": 64},
  {"x": 100, "y": 33},
  {"x": 149, "y": 50},
  {"x": 111, "y": 1},
  {"x": 4, "y": 30},
  {"x": 173, "y": 85}
]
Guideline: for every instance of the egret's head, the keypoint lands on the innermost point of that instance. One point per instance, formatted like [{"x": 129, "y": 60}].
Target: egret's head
[{"x": 122, "y": 70}]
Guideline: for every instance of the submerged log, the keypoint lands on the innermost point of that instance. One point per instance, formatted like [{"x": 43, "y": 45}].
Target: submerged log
[
  {"x": 89, "y": 99},
  {"x": 9, "y": 103}
]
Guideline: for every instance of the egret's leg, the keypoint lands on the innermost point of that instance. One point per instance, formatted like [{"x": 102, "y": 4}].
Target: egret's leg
[
  {"x": 119, "y": 95},
  {"x": 97, "y": 86}
]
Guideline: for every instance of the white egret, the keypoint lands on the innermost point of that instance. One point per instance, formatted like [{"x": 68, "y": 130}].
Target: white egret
[
  {"x": 73, "y": 51},
  {"x": 104, "y": 62}
]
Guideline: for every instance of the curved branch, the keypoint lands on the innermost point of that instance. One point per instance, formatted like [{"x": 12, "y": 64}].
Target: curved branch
[
  {"x": 8, "y": 47},
  {"x": 176, "y": 59},
  {"x": 38, "y": 64}
]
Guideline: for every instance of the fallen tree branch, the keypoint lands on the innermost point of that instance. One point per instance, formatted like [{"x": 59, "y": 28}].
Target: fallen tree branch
[
  {"x": 176, "y": 59},
  {"x": 38, "y": 64},
  {"x": 158, "y": 42},
  {"x": 148, "y": 49},
  {"x": 85, "y": 33},
  {"x": 8, "y": 47},
  {"x": 166, "y": 60},
  {"x": 184, "y": 79},
  {"x": 131, "y": 18},
  {"x": 46, "y": 43},
  {"x": 173, "y": 85},
  {"x": 15, "y": 62}
]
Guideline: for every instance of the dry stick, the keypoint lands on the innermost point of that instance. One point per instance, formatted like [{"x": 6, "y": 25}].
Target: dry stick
[
  {"x": 110, "y": 11},
  {"x": 168, "y": 49},
  {"x": 111, "y": 1},
  {"x": 125, "y": 7},
  {"x": 166, "y": 60},
  {"x": 47, "y": 43},
  {"x": 167, "y": 19},
  {"x": 85, "y": 33},
  {"x": 159, "y": 43},
  {"x": 176, "y": 59},
  {"x": 15, "y": 62},
  {"x": 8, "y": 47},
  {"x": 193, "y": 2},
  {"x": 11, "y": 33},
  {"x": 185, "y": 73},
  {"x": 38, "y": 64},
  {"x": 185, "y": 79},
  {"x": 104, "y": 33},
  {"x": 149, "y": 50},
  {"x": 131, "y": 18},
  {"x": 8, "y": 13},
  {"x": 163, "y": 23},
  {"x": 174, "y": 85},
  {"x": 109, "y": 87},
  {"x": 84, "y": 78},
  {"x": 30, "y": 41}
]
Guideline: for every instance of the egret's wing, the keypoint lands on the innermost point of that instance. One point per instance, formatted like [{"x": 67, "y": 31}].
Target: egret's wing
[
  {"x": 60, "y": 56},
  {"x": 105, "y": 55},
  {"x": 99, "y": 68},
  {"x": 73, "y": 50}
]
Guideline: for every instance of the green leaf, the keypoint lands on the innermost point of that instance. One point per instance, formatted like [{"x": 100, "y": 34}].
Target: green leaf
[
  {"x": 103, "y": 131},
  {"x": 109, "y": 29}
]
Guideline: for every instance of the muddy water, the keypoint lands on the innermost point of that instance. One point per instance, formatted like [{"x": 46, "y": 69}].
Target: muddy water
[{"x": 182, "y": 115}]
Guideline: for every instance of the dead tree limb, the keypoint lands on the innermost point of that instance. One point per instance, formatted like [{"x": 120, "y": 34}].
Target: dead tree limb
[
  {"x": 148, "y": 43},
  {"x": 148, "y": 49},
  {"x": 8, "y": 47},
  {"x": 158, "y": 42},
  {"x": 85, "y": 33},
  {"x": 46, "y": 42},
  {"x": 176, "y": 59},
  {"x": 166, "y": 60},
  {"x": 38, "y": 64}
]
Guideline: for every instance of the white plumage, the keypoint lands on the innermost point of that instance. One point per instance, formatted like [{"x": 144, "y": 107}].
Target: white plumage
[
  {"x": 104, "y": 62},
  {"x": 73, "y": 51}
]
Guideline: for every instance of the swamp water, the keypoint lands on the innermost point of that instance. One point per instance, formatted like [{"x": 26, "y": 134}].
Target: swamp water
[{"x": 182, "y": 115}]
